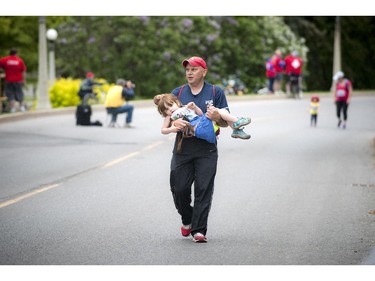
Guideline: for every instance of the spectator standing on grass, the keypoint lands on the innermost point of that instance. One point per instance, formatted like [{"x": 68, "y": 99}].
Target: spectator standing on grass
[
  {"x": 15, "y": 74},
  {"x": 279, "y": 65},
  {"x": 270, "y": 74},
  {"x": 293, "y": 71}
]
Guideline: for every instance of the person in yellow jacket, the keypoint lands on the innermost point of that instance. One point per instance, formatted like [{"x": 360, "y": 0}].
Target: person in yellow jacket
[
  {"x": 314, "y": 110},
  {"x": 117, "y": 101}
]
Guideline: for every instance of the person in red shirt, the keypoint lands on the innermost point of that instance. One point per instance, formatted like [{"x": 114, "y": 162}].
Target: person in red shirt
[
  {"x": 293, "y": 71},
  {"x": 343, "y": 92},
  {"x": 270, "y": 74},
  {"x": 15, "y": 69},
  {"x": 279, "y": 65}
]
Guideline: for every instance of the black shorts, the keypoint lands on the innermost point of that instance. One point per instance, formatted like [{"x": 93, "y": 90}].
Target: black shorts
[
  {"x": 279, "y": 76},
  {"x": 293, "y": 77},
  {"x": 13, "y": 91}
]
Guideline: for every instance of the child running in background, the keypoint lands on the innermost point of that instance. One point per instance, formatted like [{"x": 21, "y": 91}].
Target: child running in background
[
  {"x": 200, "y": 126},
  {"x": 314, "y": 109}
]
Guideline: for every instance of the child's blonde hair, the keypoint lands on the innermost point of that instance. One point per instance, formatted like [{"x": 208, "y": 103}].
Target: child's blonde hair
[{"x": 164, "y": 102}]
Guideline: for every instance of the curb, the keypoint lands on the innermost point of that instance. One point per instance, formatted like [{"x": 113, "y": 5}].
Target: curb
[
  {"x": 17, "y": 116},
  {"x": 9, "y": 117}
]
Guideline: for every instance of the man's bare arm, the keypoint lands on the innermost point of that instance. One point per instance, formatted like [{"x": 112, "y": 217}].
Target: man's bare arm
[{"x": 213, "y": 114}]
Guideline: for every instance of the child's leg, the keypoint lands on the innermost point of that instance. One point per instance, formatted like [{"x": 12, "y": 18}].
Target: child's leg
[
  {"x": 225, "y": 115},
  {"x": 314, "y": 119},
  {"x": 233, "y": 122}
]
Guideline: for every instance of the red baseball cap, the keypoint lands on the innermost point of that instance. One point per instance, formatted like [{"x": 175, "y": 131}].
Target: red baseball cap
[
  {"x": 89, "y": 74},
  {"x": 195, "y": 61}
]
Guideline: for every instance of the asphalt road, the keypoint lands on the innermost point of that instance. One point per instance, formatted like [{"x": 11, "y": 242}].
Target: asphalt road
[{"x": 291, "y": 195}]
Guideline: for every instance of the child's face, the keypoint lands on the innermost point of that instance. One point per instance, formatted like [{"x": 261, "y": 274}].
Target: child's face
[{"x": 172, "y": 109}]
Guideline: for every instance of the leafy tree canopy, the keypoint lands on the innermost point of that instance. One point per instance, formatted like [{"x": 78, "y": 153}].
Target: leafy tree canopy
[{"x": 149, "y": 50}]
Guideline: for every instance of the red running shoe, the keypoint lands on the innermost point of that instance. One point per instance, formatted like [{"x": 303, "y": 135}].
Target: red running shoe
[
  {"x": 199, "y": 238},
  {"x": 185, "y": 230}
]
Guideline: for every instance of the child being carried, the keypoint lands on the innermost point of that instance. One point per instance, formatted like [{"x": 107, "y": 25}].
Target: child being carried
[{"x": 201, "y": 127}]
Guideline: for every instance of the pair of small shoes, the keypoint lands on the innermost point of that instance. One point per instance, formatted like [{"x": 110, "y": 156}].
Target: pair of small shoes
[
  {"x": 242, "y": 121},
  {"x": 240, "y": 134},
  {"x": 199, "y": 238}
]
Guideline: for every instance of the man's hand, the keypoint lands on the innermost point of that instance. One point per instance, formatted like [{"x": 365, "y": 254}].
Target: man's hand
[
  {"x": 180, "y": 124},
  {"x": 213, "y": 114},
  {"x": 191, "y": 105}
]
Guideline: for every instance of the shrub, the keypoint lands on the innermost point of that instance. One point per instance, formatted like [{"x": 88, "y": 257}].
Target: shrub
[{"x": 64, "y": 92}]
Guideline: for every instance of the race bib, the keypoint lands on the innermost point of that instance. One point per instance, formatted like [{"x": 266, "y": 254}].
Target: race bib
[
  {"x": 341, "y": 93},
  {"x": 179, "y": 113},
  {"x": 184, "y": 112}
]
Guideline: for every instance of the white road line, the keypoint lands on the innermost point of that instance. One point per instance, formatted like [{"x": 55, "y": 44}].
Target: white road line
[{"x": 51, "y": 186}]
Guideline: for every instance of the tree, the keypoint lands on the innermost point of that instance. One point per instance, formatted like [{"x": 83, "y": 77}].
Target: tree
[
  {"x": 357, "y": 47},
  {"x": 20, "y": 33},
  {"x": 148, "y": 50}
]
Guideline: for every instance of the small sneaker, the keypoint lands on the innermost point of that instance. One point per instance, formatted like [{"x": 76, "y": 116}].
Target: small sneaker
[
  {"x": 242, "y": 121},
  {"x": 22, "y": 108},
  {"x": 185, "y": 230},
  {"x": 129, "y": 125},
  {"x": 112, "y": 124},
  {"x": 338, "y": 124},
  {"x": 240, "y": 134},
  {"x": 12, "y": 110},
  {"x": 199, "y": 238}
]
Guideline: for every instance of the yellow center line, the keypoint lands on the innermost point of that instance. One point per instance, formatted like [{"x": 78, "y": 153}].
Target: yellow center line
[
  {"x": 27, "y": 195},
  {"x": 125, "y": 157},
  {"x": 51, "y": 186},
  {"x": 118, "y": 160}
]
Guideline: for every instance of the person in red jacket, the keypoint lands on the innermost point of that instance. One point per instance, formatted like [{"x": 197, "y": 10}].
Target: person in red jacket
[
  {"x": 15, "y": 69},
  {"x": 279, "y": 65},
  {"x": 270, "y": 74},
  {"x": 293, "y": 71}
]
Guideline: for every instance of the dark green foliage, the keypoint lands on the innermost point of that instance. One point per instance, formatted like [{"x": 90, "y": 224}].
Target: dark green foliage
[
  {"x": 357, "y": 49},
  {"x": 149, "y": 50}
]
